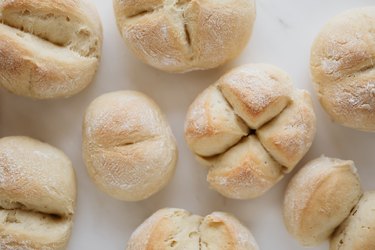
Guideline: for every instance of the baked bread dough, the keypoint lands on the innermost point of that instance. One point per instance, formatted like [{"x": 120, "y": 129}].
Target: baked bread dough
[
  {"x": 128, "y": 146},
  {"x": 48, "y": 49},
  {"x": 173, "y": 228},
  {"x": 185, "y": 35},
  {"x": 357, "y": 232},
  {"x": 37, "y": 195},
  {"x": 342, "y": 67},
  {"x": 250, "y": 128},
  {"x": 319, "y": 198}
]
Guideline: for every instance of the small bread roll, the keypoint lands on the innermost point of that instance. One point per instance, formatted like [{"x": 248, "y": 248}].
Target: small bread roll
[
  {"x": 128, "y": 146},
  {"x": 185, "y": 35},
  {"x": 319, "y": 197},
  {"x": 173, "y": 228},
  {"x": 357, "y": 232},
  {"x": 250, "y": 128},
  {"x": 37, "y": 195},
  {"x": 342, "y": 66},
  {"x": 48, "y": 49}
]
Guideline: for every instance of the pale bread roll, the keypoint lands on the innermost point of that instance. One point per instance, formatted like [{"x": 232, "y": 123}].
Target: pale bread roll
[
  {"x": 342, "y": 66},
  {"x": 250, "y": 127},
  {"x": 128, "y": 147},
  {"x": 37, "y": 195},
  {"x": 184, "y": 35},
  {"x": 173, "y": 228},
  {"x": 357, "y": 232},
  {"x": 48, "y": 49},
  {"x": 319, "y": 197}
]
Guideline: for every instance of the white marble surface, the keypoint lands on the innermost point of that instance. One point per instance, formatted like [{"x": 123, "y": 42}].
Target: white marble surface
[{"x": 283, "y": 34}]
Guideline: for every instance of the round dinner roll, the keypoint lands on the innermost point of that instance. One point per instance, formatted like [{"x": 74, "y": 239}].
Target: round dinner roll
[
  {"x": 128, "y": 146},
  {"x": 342, "y": 67},
  {"x": 357, "y": 232},
  {"x": 37, "y": 195},
  {"x": 319, "y": 198},
  {"x": 185, "y": 35},
  {"x": 48, "y": 49},
  {"x": 173, "y": 228},
  {"x": 250, "y": 127}
]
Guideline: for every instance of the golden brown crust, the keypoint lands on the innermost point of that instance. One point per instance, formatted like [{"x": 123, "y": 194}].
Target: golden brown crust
[
  {"x": 172, "y": 228},
  {"x": 254, "y": 96},
  {"x": 37, "y": 195},
  {"x": 49, "y": 50},
  {"x": 128, "y": 147},
  {"x": 342, "y": 68},
  {"x": 180, "y": 36},
  {"x": 319, "y": 197}
]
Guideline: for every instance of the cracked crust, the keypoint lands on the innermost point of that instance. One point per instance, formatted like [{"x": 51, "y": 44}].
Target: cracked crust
[
  {"x": 220, "y": 129},
  {"x": 172, "y": 228},
  {"x": 185, "y": 35},
  {"x": 48, "y": 49},
  {"x": 128, "y": 146},
  {"x": 319, "y": 198},
  {"x": 342, "y": 67},
  {"x": 37, "y": 195}
]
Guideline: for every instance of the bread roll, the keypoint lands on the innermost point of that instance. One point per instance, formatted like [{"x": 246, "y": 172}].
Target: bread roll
[
  {"x": 37, "y": 195},
  {"x": 343, "y": 70},
  {"x": 319, "y": 197},
  {"x": 48, "y": 49},
  {"x": 184, "y": 35},
  {"x": 357, "y": 232},
  {"x": 172, "y": 228},
  {"x": 250, "y": 128},
  {"x": 128, "y": 146}
]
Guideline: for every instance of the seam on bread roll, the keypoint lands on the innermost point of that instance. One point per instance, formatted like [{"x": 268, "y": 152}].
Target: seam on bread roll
[
  {"x": 172, "y": 228},
  {"x": 255, "y": 101}
]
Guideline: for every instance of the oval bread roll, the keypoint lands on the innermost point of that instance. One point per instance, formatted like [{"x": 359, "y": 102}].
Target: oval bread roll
[
  {"x": 48, "y": 49},
  {"x": 37, "y": 195},
  {"x": 342, "y": 66},
  {"x": 173, "y": 228},
  {"x": 357, "y": 232},
  {"x": 185, "y": 35},
  {"x": 319, "y": 197},
  {"x": 250, "y": 128},
  {"x": 128, "y": 146}
]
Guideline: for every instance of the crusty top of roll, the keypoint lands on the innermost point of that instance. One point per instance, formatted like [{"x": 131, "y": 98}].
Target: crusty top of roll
[
  {"x": 128, "y": 146},
  {"x": 37, "y": 195},
  {"x": 319, "y": 197},
  {"x": 342, "y": 66},
  {"x": 357, "y": 232},
  {"x": 185, "y": 35},
  {"x": 48, "y": 49},
  {"x": 172, "y": 228},
  {"x": 250, "y": 127}
]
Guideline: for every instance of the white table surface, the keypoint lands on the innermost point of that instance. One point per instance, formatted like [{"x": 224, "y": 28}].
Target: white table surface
[{"x": 283, "y": 33}]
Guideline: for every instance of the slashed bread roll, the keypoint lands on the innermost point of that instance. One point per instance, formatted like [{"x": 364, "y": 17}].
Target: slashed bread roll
[
  {"x": 250, "y": 128},
  {"x": 37, "y": 195},
  {"x": 173, "y": 228},
  {"x": 185, "y": 35},
  {"x": 48, "y": 49},
  {"x": 319, "y": 198},
  {"x": 128, "y": 146},
  {"x": 357, "y": 232},
  {"x": 342, "y": 67}
]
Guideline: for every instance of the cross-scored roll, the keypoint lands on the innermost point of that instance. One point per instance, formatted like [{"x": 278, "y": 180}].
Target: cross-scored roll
[
  {"x": 48, "y": 49},
  {"x": 250, "y": 127},
  {"x": 173, "y": 228},
  {"x": 128, "y": 146},
  {"x": 185, "y": 35},
  {"x": 37, "y": 195}
]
